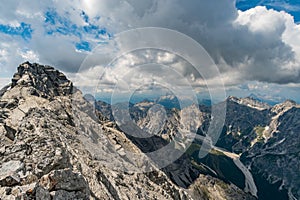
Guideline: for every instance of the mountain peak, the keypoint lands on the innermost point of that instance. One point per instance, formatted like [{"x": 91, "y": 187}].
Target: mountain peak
[
  {"x": 284, "y": 106},
  {"x": 43, "y": 79},
  {"x": 250, "y": 102},
  {"x": 289, "y": 102}
]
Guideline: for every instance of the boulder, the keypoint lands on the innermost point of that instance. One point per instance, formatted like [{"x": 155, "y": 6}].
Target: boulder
[{"x": 9, "y": 173}]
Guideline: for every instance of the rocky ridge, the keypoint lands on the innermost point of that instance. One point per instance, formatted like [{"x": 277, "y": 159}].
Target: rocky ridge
[
  {"x": 264, "y": 136},
  {"x": 44, "y": 136},
  {"x": 54, "y": 146}
]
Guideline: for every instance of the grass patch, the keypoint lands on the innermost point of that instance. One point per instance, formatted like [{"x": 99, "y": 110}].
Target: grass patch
[
  {"x": 259, "y": 133},
  {"x": 216, "y": 152},
  {"x": 199, "y": 167},
  {"x": 192, "y": 148},
  {"x": 223, "y": 185}
]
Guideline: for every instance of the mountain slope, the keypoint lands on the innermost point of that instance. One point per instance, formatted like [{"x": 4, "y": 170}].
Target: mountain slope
[
  {"x": 44, "y": 136},
  {"x": 278, "y": 157},
  {"x": 265, "y": 137},
  {"x": 54, "y": 145}
]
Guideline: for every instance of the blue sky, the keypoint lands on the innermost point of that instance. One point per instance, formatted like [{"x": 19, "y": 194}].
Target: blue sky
[
  {"x": 55, "y": 24},
  {"x": 23, "y": 30},
  {"x": 290, "y": 6},
  {"x": 255, "y": 43}
]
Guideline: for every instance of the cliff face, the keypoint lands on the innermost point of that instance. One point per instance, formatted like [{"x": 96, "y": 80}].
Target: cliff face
[
  {"x": 264, "y": 137},
  {"x": 54, "y": 145}
]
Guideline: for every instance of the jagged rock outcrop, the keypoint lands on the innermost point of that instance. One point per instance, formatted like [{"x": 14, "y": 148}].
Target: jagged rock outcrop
[
  {"x": 208, "y": 187},
  {"x": 55, "y": 145},
  {"x": 266, "y": 136},
  {"x": 43, "y": 81},
  {"x": 52, "y": 147},
  {"x": 250, "y": 102},
  {"x": 278, "y": 157},
  {"x": 243, "y": 117}
]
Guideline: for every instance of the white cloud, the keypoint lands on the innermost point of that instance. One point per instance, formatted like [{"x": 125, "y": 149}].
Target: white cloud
[
  {"x": 28, "y": 55},
  {"x": 261, "y": 20},
  {"x": 140, "y": 69},
  {"x": 4, "y": 81},
  {"x": 254, "y": 45},
  {"x": 277, "y": 58}
]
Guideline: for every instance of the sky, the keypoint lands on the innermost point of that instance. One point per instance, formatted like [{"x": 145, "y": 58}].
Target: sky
[{"x": 254, "y": 43}]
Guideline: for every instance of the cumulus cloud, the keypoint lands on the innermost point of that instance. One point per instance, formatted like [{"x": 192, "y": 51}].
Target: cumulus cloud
[
  {"x": 276, "y": 59},
  {"x": 248, "y": 45},
  {"x": 258, "y": 44},
  {"x": 141, "y": 69}
]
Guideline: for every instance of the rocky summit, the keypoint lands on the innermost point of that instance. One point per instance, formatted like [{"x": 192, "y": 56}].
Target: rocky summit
[
  {"x": 42, "y": 81},
  {"x": 55, "y": 145}
]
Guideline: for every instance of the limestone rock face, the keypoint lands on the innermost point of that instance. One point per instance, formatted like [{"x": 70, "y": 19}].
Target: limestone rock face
[
  {"x": 9, "y": 173},
  {"x": 42, "y": 81},
  {"x": 52, "y": 147},
  {"x": 207, "y": 187},
  {"x": 62, "y": 184},
  {"x": 55, "y": 145}
]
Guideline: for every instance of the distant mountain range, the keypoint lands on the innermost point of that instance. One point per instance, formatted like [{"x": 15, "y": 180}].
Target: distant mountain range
[
  {"x": 269, "y": 99},
  {"x": 251, "y": 129},
  {"x": 171, "y": 101},
  {"x": 57, "y": 143}
]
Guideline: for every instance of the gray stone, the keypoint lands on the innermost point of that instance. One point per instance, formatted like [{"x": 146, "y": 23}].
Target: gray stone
[
  {"x": 42, "y": 194},
  {"x": 9, "y": 173},
  {"x": 64, "y": 180},
  {"x": 72, "y": 151},
  {"x": 65, "y": 195},
  {"x": 10, "y": 132}
]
